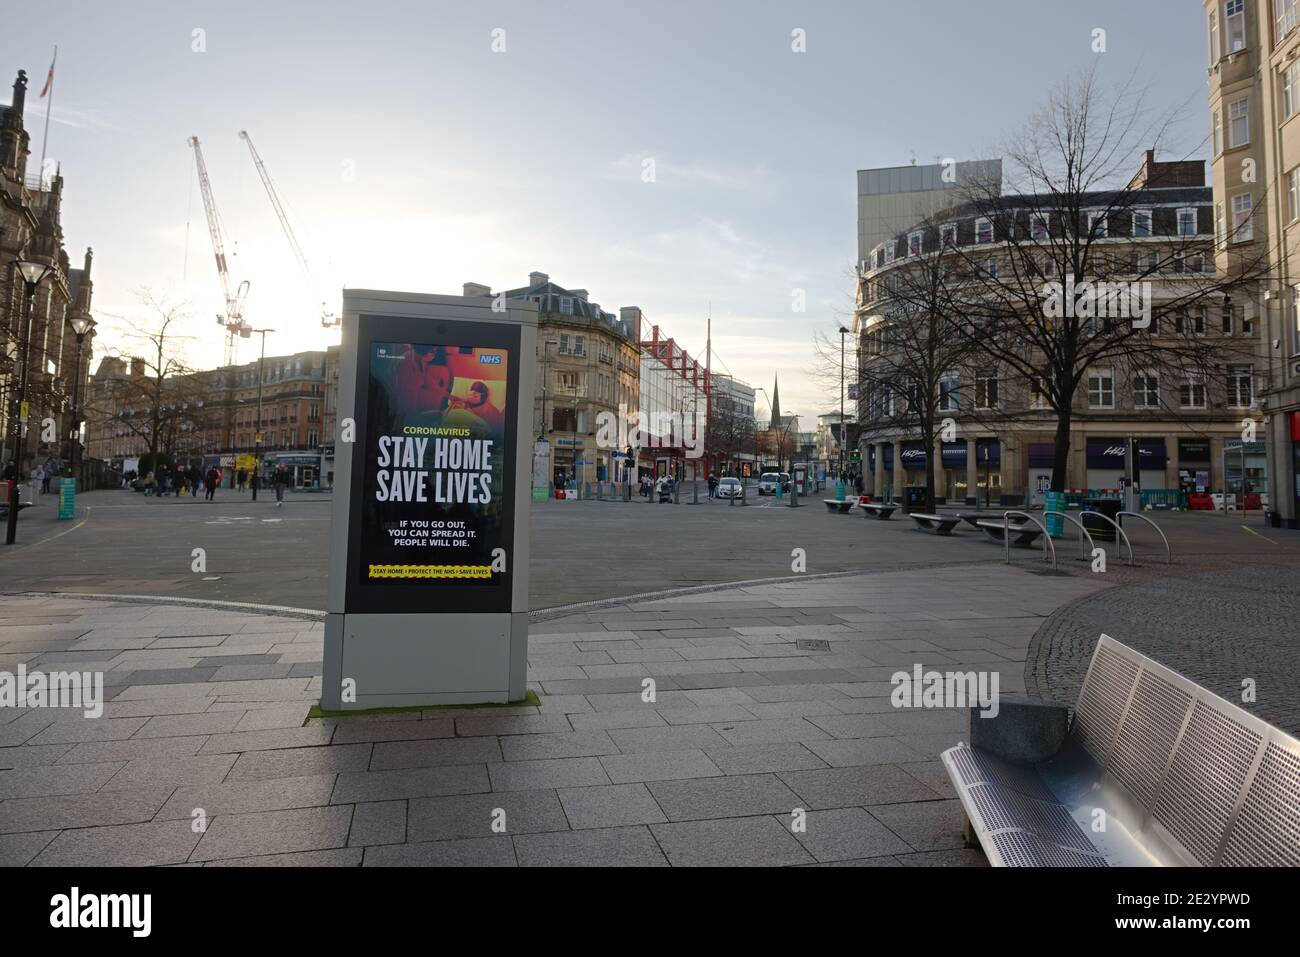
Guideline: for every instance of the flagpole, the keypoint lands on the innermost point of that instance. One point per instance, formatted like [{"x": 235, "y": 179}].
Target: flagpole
[{"x": 49, "y": 108}]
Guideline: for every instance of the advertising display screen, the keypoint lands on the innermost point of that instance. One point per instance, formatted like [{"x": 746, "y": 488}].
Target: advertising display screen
[{"x": 434, "y": 464}]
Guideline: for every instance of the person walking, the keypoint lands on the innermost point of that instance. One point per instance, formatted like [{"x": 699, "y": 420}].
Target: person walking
[
  {"x": 38, "y": 479},
  {"x": 713, "y": 486},
  {"x": 241, "y": 478},
  {"x": 281, "y": 480},
  {"x": 210, "y": 481}
]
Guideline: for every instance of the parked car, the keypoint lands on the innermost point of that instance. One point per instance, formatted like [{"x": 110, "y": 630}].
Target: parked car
[
  {"x": 767, "y": 483},
  {"x": 729, "y": 488}
]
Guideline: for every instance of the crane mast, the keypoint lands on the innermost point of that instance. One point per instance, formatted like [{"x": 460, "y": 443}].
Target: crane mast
[
  {"x": 233, "y": 320},
  {"x": 326, "y": 318}
]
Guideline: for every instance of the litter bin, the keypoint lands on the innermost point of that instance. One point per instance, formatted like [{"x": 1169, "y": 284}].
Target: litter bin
[
  {"x": 1097, "y": 528},
  {"x": 913, "y": 498},
  {"x": 1054, "y": 502}
]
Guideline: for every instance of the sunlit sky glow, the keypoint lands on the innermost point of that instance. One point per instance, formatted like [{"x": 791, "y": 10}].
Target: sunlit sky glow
[{"x": 412, "y": 157}]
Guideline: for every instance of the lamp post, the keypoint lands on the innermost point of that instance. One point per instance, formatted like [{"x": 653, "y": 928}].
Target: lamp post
[
  {"x": 81, "y": 325},
  {"x": 843, "y": 431},
  {"x": 33, "y": 274},
  {"x": 257, "y": 433}
]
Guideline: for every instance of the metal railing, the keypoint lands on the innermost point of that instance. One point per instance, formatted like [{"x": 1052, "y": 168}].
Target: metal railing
[
  {"x": 1169, "y": 552},
  {"x": 1118, "y": 528},
  {"x": 1006, "y": 536},
  {"x": 1091, "y": 546}
]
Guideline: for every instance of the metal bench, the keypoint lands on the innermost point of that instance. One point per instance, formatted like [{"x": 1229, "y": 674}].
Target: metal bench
[
  {"x": 972, "y": 520},
  {"x": 876, "y": 510},
  {"x": 835, "y": 505},
  {"x": 1154, "y": 771},
  {"x": 1022, "y": 536},
  {"x": 939, "y": 524}
]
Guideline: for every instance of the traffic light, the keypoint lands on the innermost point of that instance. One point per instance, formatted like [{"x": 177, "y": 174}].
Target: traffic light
[{"x": 855, "y": 456}]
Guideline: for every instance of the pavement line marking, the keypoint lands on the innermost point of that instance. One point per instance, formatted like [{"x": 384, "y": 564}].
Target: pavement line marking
[
  {"x": 59, "y": 534},
  {"x": 1257, "y": 535}
]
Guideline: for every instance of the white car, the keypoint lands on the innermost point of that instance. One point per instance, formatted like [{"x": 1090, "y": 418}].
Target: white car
[
  {"x": 729, "y": 488},
  {"x": 767, "y": 483}
]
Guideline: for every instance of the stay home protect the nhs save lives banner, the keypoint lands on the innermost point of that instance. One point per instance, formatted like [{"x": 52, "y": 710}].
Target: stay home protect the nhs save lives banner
[{"x": 435, "y": 463}]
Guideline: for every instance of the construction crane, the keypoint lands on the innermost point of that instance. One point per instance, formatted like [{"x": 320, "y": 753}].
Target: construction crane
[
  {"x": 327, "y": 319},
  {"x": 233, "y": 320}
]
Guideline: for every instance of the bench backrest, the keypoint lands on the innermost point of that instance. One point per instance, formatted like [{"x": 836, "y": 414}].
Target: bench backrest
[{"x": 1215, "y": 782}]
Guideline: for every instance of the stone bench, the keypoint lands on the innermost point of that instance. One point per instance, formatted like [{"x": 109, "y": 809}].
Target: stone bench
[
  {"x": 1022, "y": 536},
  {"x": 939, "y": 524},
  {"x": 835, "y": 505},
  {"x": 877, "y": 510},
  {"x": 1155, "y": 770}
]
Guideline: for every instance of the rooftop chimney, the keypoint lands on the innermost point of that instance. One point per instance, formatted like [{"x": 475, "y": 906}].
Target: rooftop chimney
[
  {"x": 537, "y": 279},
  {"x": 475, "y": 290}
]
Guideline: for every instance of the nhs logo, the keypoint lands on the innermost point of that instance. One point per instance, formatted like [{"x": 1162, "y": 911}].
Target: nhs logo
[{"x": 489, "y": 360}]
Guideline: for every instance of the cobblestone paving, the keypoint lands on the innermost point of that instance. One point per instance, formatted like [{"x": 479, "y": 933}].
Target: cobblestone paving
[
  {"x": 208, "y": 717},
  {"x": 1215, "y": 627}
]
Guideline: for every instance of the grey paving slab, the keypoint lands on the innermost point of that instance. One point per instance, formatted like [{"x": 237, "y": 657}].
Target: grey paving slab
[
  {"x": 685, "y": 737},
  {"x": 615, "y": 805},
  {"x": 180, "y": 725},
  {"x": 925, "y": 825},
  {"x": 850, "y": 752},
  {"x": 395, "y": 755},
  {"x": 121, "y": 845},
  {"x": 957, "y": 857},
  {"x": 242, "y": 742},
  {"x": 770, "y": 731},
  {"x": 273, "y": 832},
  {"x": 199, "y": 769},
  {"x": 338, "y": 857},
  {"x": 570, "y": 744},
  {"x": 495, "y": 851},
  {"x": 761, "y": 758},
  {"x": 280, "y": 716},
  {"x": 708, "y": 715},
  {"x": 857, "y": 786},
  {"x": 659, "y": 766},
  {"x": 355, "y": 786},
  {"x": 607, "y": 847},
  {"x": 551, "y": 773},
  {"x": 378, "y": 822},
  {"x": 102, "y": 729},
  {"x": 846, "y": 834},
  {"x": 731, "y": 796},
  {"x": 512, "y": 724},
  {"x": 132, "y": 749},
  {"x": 932, "y": 774},
  {"x": 647, "y": 717},
  {"x": 475, "y": 815},
  {"x": 245, "y": 796},
  {"x": 18, "y": 850},
  {"x": 82, "y": 810},
  {"x": 297, "y": 762},
  {"x": 349, "y": 731},
  {"x": 735, "y": 842},
  {"x": 55, "y": 779},
  {"x": 854, "y": 725},
  {"x": 32, "y": 756}
]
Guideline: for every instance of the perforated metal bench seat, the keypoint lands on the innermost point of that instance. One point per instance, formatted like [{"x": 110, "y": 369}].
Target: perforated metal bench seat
[
  {"x": 835, "y": 505},
  {"x": 1155, "y": 771},
  {"x": 939, "y": 524},
  {"x": 876, "y": 510},
  {"x": 1022, "y": 536}
]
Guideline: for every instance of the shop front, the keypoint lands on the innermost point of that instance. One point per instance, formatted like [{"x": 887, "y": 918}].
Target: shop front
[
  {"x": 988, "y": 471},
  {"x": 954, "y": 472},
  {"x": 1041, "y": 457},
  {"x": 1194, "y": 466},
  {"x": 914, "y": 455},
  {"x": 1245, "y": 468},
  {"x": 1108, "y": 463},
  {"x": 304, "y": 467}
]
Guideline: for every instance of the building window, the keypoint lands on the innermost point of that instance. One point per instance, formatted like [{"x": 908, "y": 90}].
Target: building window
[
  {"x": 1241, "y": 388},
  {"x": 1146, "y": 390},
  {"x": 1290, "y": 90},
  {"x": 1293, "y": 307},
  {"x": 1187, "y": 222},
  {"x": 983, "y": 230},
  {"x": 1284, "y": 13},
  {"x": 1216, "y": 133},
  {"x": 1239, "y": 122},
  {"x": 1097, "y": 225},
  {"x": 1214, "y": 37},
  {"x": 986, "y": 390},
  {"x": 914, "y": 244},
  {"x": 1218, "y": 224},
  {"x": 566, "y": 306},
  {"x": 1234, "y": 19},
  {"x": 1191, "y": 394},
  {"x": 949, "y": 392},
  {"x": 312, "y": 438},
  {"x": 991, "y": 267},
  {"x": 1037, "y": 393},
  {"x": 1293, "y": 194},
  {"x": 1037, "y": 226},
  {"x": 579, "y": 346},
  {"x": 1141, "y": 223},
  {"x": 1243, "y": 228},
  {"x": 1101, "y": 389},
  {"x": 564, "y": 343},
  {"x": 948, "y": 235}
]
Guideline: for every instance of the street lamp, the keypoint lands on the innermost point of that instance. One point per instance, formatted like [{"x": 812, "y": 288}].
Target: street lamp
[
  {"x": 843, "y": 433},
  {"x": 257, "y": 433},
  {"x": 81, "y": 325},
  {"x": 33, "y": 274}
]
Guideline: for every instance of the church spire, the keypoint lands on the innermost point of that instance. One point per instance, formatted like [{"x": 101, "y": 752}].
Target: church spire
[{"x": 776, "y": 404}]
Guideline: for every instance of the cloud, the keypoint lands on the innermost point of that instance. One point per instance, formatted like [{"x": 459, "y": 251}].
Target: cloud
[{"x": 631, "y": 166}]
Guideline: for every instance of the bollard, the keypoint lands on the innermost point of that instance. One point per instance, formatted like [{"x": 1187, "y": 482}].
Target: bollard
[
  {"x": 794, "y": 495},
  {"x": 695, "y": 492}
]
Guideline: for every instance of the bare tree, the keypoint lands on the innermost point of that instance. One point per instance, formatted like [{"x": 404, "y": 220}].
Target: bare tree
[{"x": 729, "y": 433}]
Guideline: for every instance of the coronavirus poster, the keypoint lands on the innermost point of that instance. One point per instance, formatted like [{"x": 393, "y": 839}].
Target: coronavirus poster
[{"x": 435, "y": 464}]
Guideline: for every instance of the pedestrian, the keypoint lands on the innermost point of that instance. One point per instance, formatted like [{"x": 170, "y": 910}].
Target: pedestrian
[
  {"x": 38, "y": 479},
  {"x": 241, "y": 478},
  {"x": 211, "y": 480},
  {"x": 281, "y": 480},
  {"x": 713, "y": 486}
]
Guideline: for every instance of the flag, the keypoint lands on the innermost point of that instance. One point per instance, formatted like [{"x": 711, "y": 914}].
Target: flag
[{"x": 49, "y": 77}]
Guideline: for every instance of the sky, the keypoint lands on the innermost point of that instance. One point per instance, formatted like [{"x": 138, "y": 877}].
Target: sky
[{"x": 415, "y": 153}]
